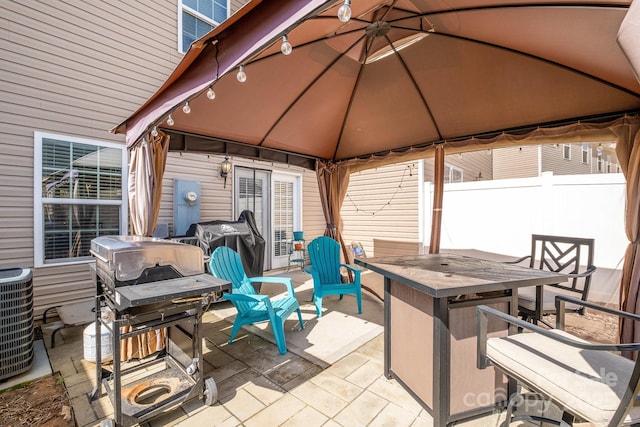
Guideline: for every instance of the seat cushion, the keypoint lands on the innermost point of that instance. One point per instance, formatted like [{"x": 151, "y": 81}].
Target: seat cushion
[
  {"x": 527, "y": 298},
  {"x": 587, "y": 383}
]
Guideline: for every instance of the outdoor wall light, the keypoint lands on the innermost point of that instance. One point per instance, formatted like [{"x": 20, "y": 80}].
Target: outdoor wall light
[
  {"x": 241, "y": 76},
  {"x": 210, "y": 93},
  {"x": 225, "y": 168},
  {"x": 186, "y": 109},
  {"x": 286, "y": 48},
  {"x": 344, "y": 13},
  {"x": 170, "y": 120}
]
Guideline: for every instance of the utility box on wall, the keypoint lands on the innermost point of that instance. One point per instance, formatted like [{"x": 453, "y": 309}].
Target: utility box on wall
[{"x": 186, "y": 205}]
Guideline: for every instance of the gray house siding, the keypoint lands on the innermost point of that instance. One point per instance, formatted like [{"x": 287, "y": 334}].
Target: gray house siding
[
  {"x": 515, "y": 162},
  {"x": 552, "y": 160},
  {"x": 313, "y": 220},
  {"x": 381, "y": 209},
  {"x": 476, "y": 165},
  {"x": 377, "y": 198},
  {"x": 78, "y": 69},
  {"x": 216, "y": 199},
  {"x": 73, "y": 69},
  {"x": 237, "y": 4},
  {"x": 529, "y": 161}
]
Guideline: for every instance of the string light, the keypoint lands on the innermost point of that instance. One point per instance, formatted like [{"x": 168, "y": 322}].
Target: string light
[
  {"x": 241, "y": 76},
  {"x": 170, "y": 121},
  {"x": 210, "y": 93},
  {"x": 186, "y": 109},
  {"x": 388, "y": 203},
  {"x": 154, "y": 132},
  {"x": 344, "y": 13},
  {"x": 286, "y": 48}
]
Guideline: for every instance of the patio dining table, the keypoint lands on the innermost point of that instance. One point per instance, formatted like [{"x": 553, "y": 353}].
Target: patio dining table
[{"x": 430, "y": 327}]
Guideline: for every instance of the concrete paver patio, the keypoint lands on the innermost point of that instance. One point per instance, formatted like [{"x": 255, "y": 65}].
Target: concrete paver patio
[{"x": 259, "y": 387}]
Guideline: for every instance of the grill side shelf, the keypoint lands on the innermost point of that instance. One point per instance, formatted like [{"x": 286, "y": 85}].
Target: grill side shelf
[{"x": 168, "y": 290}]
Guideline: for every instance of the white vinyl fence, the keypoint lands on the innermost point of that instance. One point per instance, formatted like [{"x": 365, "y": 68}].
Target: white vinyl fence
[{"x": 499, "y": 216}]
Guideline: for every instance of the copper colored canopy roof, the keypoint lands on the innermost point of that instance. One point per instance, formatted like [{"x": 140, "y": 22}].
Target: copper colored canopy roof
[{"x": 475, "y": 67}]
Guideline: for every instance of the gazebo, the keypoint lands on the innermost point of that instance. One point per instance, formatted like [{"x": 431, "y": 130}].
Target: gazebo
[{"x": 342, "y": 86}]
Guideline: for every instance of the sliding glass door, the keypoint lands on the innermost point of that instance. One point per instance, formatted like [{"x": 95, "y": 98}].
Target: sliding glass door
[{"x": 275, "y": 200}]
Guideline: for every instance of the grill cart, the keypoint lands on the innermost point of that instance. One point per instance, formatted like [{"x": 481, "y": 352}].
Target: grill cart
[{"x": 145, "y": 285}]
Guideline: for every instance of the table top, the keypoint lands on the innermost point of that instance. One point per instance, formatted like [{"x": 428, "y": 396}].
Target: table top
[{"x": 447, "y": 275}]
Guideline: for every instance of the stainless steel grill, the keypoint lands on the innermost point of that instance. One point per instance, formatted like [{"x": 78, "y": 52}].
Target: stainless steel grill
[
  {"x": 150, "y": 284},
  {"x": 132, "y": 260}
]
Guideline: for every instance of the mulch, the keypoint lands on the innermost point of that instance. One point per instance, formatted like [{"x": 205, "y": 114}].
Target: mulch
[
  {"x": 594, "y": 326},
  {"x": 44, "y": 402}
]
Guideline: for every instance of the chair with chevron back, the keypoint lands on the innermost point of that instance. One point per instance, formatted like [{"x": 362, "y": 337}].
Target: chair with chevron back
[
  {"x": 572, "y": 256},
  {"x": 324, "y": 253},
  {"x": 225, "y": 263}
]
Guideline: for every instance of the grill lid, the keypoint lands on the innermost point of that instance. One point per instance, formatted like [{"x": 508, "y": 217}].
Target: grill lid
[{"x": 128, "y": 256}]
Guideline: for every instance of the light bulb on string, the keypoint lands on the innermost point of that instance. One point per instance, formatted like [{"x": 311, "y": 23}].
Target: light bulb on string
[
  {"x": 186, "y": 109},
  {"x": 170, "y": 120},
  {"x": 154, "y": 132},
  {"x": 286, "y": 48},
  {"x": 241, "y": 76},
  {"x": 344, "y": 13},
  {"x": 210, "y": 93}
]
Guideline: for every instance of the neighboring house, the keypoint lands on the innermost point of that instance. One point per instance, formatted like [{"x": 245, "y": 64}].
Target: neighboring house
[
  {"x": 528, "y": 161},
  {"x": 71, "y": 72},
  {"x": 561, "y": 159},
  {"x": 464, "y": 167}
]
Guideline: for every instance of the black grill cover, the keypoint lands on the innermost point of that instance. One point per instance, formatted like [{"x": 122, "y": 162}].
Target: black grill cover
[{"x": 242, "y": 236}]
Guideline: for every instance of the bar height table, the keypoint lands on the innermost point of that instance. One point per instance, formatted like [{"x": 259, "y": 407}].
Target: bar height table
[{"x": 430, "y": 327}]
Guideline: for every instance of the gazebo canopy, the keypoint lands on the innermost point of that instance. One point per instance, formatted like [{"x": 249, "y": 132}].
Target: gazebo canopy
[
  {"x": 403, "y": 78},
  {"x": 452, "y": 71}
]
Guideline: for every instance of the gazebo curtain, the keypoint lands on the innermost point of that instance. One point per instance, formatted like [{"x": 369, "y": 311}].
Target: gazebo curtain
[
  {"x": 628, "y": 152},
  {"x": 146, "y": 168},
  {"x": 333, "y": 181}
]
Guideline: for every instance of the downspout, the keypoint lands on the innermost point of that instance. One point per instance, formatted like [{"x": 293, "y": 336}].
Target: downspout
[{"x": 539, "y": 159}]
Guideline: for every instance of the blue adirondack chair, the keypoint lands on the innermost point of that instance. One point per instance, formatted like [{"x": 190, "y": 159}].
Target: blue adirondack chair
[
  {"x": 252, "y": 307},
  {"x": 324, "y": 253}
]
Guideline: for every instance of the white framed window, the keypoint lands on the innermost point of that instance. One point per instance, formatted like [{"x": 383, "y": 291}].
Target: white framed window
[
  {"x": 586, "y": 153},
  {"x": 197, "y": 17},
  {"x": 80, "y": 192},
  {"x": 599, "y": 161},
  {"x": 566, "y": 151},
  {"x": 453, "y": 173}
]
